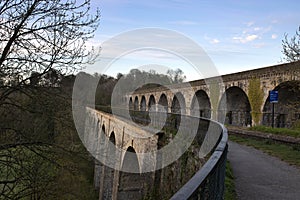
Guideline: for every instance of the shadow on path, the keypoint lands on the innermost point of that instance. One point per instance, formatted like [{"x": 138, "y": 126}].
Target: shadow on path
[{"x": 260, "y": 176}]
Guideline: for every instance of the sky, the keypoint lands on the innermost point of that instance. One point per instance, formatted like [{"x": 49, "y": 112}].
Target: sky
[{"x": 237, "y": 35}]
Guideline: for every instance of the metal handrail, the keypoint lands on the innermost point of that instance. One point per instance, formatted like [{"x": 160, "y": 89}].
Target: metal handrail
[{"x": 192, "y": 187}]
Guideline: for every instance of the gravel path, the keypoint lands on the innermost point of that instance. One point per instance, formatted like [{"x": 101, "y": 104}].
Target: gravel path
[{"x": 260, "y": 176}]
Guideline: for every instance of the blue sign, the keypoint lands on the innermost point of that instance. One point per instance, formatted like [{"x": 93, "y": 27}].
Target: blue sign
[{"x": 273, "y": 96}]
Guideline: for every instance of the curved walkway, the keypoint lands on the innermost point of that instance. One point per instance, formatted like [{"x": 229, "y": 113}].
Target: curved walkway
[{"x": 260, "y": 176}]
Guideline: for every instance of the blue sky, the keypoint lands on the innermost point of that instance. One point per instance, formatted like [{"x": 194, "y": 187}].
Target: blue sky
[{"x": 236, "y": 35}]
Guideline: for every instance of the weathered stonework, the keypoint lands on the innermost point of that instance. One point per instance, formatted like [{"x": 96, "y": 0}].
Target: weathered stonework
[
  {"x": 229, "y": 104},
  {"x": 270, "y": 78},
  {"x": 113, "y": 183}
]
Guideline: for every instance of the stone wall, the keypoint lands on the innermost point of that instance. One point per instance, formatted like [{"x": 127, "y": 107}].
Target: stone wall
[
  {"x": 154, "y": 184},
  {"x": 270, "y": 78}
]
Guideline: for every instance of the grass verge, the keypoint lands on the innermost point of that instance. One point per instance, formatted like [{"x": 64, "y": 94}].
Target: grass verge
[
  {"x": 287, "y": 153},
  {"x": 230, "y": 193},
  {"x": 279, "y": 131}
]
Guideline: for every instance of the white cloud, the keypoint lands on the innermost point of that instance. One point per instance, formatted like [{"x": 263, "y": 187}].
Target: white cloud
[
  {"x": 251, "y": 33},
  {"x": 215, "y": 41},
  {"x": 246, "y": 39},
  {"x": 274, "y": 36},
  {"x": 250, "y": 38},
  {"x": 257, "y": 28},
  {"x": 212, "y": 40}
]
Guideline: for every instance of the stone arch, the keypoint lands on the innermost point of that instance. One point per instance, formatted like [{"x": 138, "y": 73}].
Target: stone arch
[
  {"x": 136, "y": 103},
  {"x": 235, "y": 105},
  {"x": 97, "y": 169},
  {"x": 95, "y": 141},
  {"x": 102, "y": 142},
  {"x": 130, "y": 161},
  {"x": 103, "y": 129},
  {"x": 178, "y": 104},
  {"x": 100, "y": 154},
  {"x": 130, "y": 184},
  {"x": 201, "y": 106},
  {"x": 163, "y": 102},
  {"x": 287, "y": 110},
  {"x": 152, "y": 103},
  {"x": 91, "y": 137},
  {"x": 108, "y": 171},
  {"x": 143, "y": 104},
  {"x": 112, "y": 148},
  {"x": 131, "y": 107},
  {"x": 112, "y": 138}
]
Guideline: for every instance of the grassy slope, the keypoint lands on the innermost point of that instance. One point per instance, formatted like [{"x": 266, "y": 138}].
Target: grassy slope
[{"x": 230, "y": 193}]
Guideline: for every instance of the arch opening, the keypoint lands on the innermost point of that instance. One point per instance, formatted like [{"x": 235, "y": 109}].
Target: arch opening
[
  {"x": 163, "y": 103},
  {"x": 177, "y": 109},
  {"x": 103, "y": 129},
  {"x": 108, "y": 171},
  {"x": 101, "y": 143},
  {"x": 99, "y": 154},
  {"x": 152, "y": 103},
  {"x": 143, "y": 104},
  {"x": 131, "y": 107},
  {"x": 130, "y": 184},
  {"x": 235, "y": 105},
  {"x": 178, "y": 104},
  {"x": 201, "y": 106},
  {"x": 287, "y": 110},
  {"x": 136, "y": 104},
  {"x": 97, "y": 168}
]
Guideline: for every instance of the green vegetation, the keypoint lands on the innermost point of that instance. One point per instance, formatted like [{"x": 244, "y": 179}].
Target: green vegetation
[
  {"x": 42, "y": 43},
  {"x": 287, "y": 153},
  {"x": 230, "y": 193},
  {"x": 294, "y": 132},
  {"x": 125, "y": 83},
  {"x": 42, "y": 173},
  {"x": 255, "y": 95},
  {"x": 214, "y": 90},
  {"x": 41, "y": 155}
]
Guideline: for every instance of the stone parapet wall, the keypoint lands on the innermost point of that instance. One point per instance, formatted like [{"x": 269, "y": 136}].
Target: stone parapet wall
[{"x": 281, "y": 70}]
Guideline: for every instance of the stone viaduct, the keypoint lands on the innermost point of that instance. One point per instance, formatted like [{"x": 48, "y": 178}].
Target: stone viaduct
[
  {"x": 240, "y": 99},
  {"x": 119, "y": 145},
  {"x": 129, "y": 162}
]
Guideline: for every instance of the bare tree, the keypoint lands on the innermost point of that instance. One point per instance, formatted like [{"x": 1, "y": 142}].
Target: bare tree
[
  {"x": 38, "y": 39},
  {"x": 176, "y": 76},
  {"x": 291, "y": 47},
  {"x": 40, "y": 35}
]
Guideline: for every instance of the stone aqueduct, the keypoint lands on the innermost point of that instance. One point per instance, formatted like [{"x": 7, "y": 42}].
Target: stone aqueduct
[
  {"x": 237, "y": 110},
  {"x": 114, "y": 183},
  {"x": 130, "y": 165},
  {"x": 117, "y": 140}
]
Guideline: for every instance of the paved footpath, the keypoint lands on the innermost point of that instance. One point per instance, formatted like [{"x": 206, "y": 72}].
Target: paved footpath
[{"x": 260, "y": 176}]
